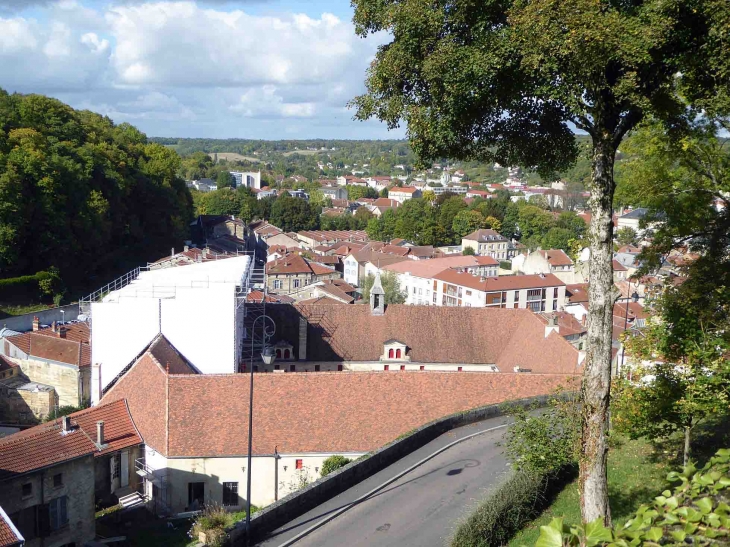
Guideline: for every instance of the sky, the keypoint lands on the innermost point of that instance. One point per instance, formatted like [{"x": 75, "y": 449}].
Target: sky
[{"x": 255, "y": 69}]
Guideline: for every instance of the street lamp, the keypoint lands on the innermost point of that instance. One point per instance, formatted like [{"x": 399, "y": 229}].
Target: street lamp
[
  {"x": 635, "y": 298},
  {"x": 267, "y": 356}
]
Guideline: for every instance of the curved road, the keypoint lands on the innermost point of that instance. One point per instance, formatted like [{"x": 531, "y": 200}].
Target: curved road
[{"x": 421, "y": 508}]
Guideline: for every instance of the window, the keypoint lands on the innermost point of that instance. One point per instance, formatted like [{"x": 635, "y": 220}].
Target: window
[
  {"x": 391, "y": 353},
  {"x": 292, "y": 368},
  {"x": 397, "y": 353},
  {"x": 278, "y": 354},
  {"x": 386, "y": 367},
  {"x": 460, "y": 369},
  {"x": 434, "y": 298},
  {"x": 57, "y": 515},
  {"x": 421, "y": 367},
  {"x": 299, "y": 464},
  {"x": 230, "y": 493},
  {"x": 196, "y": 494},
  {"x": 555, "y": 293},
  {"x": 420, "y": 292},
  {"x": 297, "y": 283},
  {"x": 276, "y": 367},
  {"x": 277, "y": 283},
  {"x": 339, "y": 368},
  {"x": 316, "y": 368},
  {"x": 468, "y": 293},
  {"x": 57, "y": 480},
  {"x": 414, "y": 290},
  {"x": 402, "y": 367},
  {"x": 27, "y": 489},
  {"x": 287, "y": 354}
]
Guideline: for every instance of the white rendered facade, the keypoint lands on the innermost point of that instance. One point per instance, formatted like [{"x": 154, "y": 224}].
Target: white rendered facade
[{"x": 196, "y": 307}]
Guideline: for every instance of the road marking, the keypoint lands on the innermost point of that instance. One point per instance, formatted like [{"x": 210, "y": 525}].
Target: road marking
[{"x": 362, "y": 498}]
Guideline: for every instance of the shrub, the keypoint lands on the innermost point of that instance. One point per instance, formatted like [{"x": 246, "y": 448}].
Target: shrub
[
  {"x": 545, "y": 443},
  {"x": 333, "y": 463},
  {"x": 512, "y": 505},
  {"x": 505, "y": 264},
  {"x": 213, "y": 521},
  {"x": 24, "y": 286}
]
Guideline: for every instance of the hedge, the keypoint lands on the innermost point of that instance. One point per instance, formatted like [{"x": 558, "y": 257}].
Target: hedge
[
  {"x": 516, "y": 502},
  {"x": 23, "y": 286},
  {"x": 505, "y": 264}
]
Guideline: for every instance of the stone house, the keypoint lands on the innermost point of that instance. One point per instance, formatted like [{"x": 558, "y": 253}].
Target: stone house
[
  {"x": 58, "y": 356},
  {"x": 23, "y": 402},
  {"x": 293, "y": 272},
  {"x": 550, "y": 261},
  {"x": 487, "y": 242},
  {"x": 52, "y": 475}
]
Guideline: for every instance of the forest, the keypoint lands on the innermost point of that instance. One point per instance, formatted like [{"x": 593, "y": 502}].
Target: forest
[{"x": 81, "y": 195}]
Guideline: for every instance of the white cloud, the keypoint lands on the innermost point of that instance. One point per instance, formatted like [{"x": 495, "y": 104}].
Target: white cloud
[{"x": 189, "y": 69}]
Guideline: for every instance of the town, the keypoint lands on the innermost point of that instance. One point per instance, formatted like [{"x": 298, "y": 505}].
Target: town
[{"x": 382, "y": 273}]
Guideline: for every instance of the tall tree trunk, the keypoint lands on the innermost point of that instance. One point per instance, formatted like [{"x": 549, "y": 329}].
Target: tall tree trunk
[
  {"x": 597, "y": 373},
  {"x": 687, "y": 432}
]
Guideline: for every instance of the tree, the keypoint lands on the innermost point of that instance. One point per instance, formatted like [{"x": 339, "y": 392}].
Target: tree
[
  {"x": 222, "y": 202},
  {"x": 557, "y": 238},
  {"x": 333, "y": 463},
  {"x": 466, "y": 221},
  {"x": 429, "y": 196},
  {"x": 503, "y": 81},
  {"x": 293, "y": 214},
  {"x": 384, "y": 193},
  {"x": 627, "y": 236},
  {"x": 225, "y": 180},
  {"x": 534, "y": 221},
  {"x": 468, "y": 251},
  {"x": 391, "y": 286},
  {"x": 493, "y": 223},
  {"x": 447, "y": 213},
  {"x": 356, "y": 192}
]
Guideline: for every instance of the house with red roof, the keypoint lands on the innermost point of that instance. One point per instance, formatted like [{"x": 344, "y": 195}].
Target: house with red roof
[
  {"x": 54, "y": 475},
  {"x": 58, "y": 356},
  {"x": 549, "y": 261},
  {"x": 487, "y": 242},
  {"x": 292, "y": 272},
  {"x": 402, "y": 194}
]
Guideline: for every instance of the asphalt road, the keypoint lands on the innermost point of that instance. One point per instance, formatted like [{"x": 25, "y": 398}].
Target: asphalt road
[{"x": 422, "y": 508}]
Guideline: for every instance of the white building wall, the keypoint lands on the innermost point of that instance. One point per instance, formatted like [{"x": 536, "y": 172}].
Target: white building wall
[
  {"x": 214, "y": 471},
  {"x": 350, "y": 274}
]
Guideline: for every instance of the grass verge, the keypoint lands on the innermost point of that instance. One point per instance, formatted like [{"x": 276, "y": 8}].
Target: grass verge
[{"x": 635, "y": 476}]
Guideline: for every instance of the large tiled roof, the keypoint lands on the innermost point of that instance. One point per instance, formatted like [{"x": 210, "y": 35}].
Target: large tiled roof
[
  {"x": 295, "y": 264},
  {"x": 9, "y": 534},
  {"x": 47, "y": 444},
  {"x": 166, "y": 354},
  {"x": 327, "y": 412},
  {"x": 577, "y": 293},
  {"x": 333, "y": 291},
  {"x": 334, "y": 235},
  {"x": 258, "y": 297},
  {"x": 618, "y": 267},
  {"x": 378, "y": 259},
  {"x": 404, "y": 189},
  {"x": 433, "y": 334}
]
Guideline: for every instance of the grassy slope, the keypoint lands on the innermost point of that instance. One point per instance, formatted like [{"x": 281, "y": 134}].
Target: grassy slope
[{"x": 634, "y": 477}]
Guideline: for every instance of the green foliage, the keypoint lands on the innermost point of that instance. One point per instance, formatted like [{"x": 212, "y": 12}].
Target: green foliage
[
  {"x": 545, "y": 442},
  {"x": 293, "y": 214},
  {"x": 333, "y": 463},
  {"x": 225, "y": 180},
  {"x": 80, "y": 193},
  {"x": 356, "y": 192},
  {"x": 391, "y": 286},
  {"x": 694, "y": 512},
  {"x": 65, "y": 411},
  {"x": 505, "y": 264},
  {"x": 468, "y": 251},
  {"x": 213, "y": 521},
  {"x": 514, "y": 503},
  {"x": 627, "y": 236},
  {"x": 24, "y": 286},
  {"x": 466, "y": 221}
]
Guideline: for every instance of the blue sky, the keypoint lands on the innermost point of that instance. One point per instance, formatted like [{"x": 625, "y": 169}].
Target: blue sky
[{"x": 268, "y": 69}]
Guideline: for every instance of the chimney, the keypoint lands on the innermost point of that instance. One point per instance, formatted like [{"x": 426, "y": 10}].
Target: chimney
[
  {"x": 186, "y": 248},
  {"x": 584, "y": 319},
  {"x": 53, "y": 326},
  {"x": 66, "y": 423},
  {"x": 95, "y": 383},
  {"x": 62, "y": 332},
  {"x": 36, "y": 323},
  {"x": 172, "y": 252},
  {"x": 100, "y": 432}
]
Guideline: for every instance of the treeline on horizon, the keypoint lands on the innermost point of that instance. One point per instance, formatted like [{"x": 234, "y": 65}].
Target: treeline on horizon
[{"x": 81, "y": 194}]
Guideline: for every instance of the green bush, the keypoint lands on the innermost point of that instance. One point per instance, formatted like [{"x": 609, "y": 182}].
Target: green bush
[
  {"x": 24, "y": 286},
  {"x": 505, "y": 264},
  {"x": 333, "y": 463},
  {"x": 512, "y": 505}
]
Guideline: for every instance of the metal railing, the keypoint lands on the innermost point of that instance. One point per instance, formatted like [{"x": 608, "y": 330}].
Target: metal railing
[{"x": 118, "y": 283}]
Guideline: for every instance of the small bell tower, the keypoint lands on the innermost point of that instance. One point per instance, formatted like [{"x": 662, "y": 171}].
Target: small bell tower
[{"x": 377, "y": 297}]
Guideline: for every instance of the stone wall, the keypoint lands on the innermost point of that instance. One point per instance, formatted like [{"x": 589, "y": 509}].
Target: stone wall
[
  {"x": 65, "y": 378},
  {"x": 76, "y": 483},
  {"x": 298, "y": 503}
]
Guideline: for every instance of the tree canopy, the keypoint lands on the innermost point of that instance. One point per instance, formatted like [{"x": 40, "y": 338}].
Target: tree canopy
[{"x": 81, "y": 193}]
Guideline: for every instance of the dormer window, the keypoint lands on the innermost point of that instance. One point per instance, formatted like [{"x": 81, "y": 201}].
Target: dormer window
[
  {"x": 394, "y": 350},
  {"x": 284, "y": 351}
]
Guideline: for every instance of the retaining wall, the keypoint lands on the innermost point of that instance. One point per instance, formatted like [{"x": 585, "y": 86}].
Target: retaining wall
[
  {"x": 297, "y": 503},
  {"x": 22, "y": 323}
]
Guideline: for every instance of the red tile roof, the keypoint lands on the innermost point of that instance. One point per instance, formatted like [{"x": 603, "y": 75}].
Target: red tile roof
[
  {"x": 428, "y": 268},
  {"x": 166, "y": 354},
  {"x": 46, "y": 444},
  {"x": 577, "y": 293},
  {"x": 385, "y": 202},
  {"x": 404, "y": 189},
  {"x": 258, "y": 296},
  {"x": 556, "y": 257},
  {"x": 46, "y": 344},
  {"x": 296, "y": 264},
  {"x": 336, "y": 293},
  {"x": 567, "y": 323},
  {"x": 9, "y": 534},
  {"x": 322, "y": 300},
  {"x": 505, "y": 283},
  {"x": 618, "y": 267}
]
